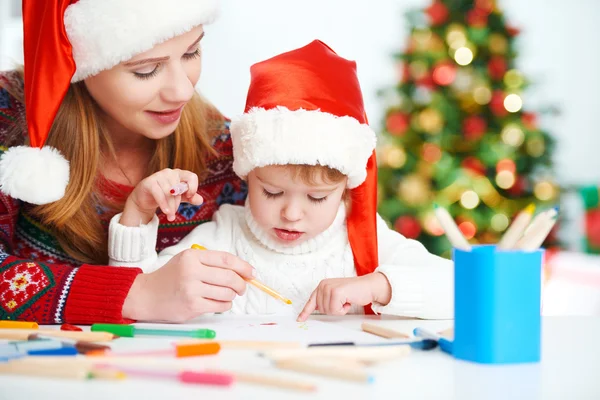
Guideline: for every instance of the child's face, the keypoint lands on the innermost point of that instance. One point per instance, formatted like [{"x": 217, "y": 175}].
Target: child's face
[{"x": 288, "y": 209}]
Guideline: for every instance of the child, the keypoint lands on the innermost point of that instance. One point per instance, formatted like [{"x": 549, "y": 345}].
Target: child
[{"x": 304, "y": 147}]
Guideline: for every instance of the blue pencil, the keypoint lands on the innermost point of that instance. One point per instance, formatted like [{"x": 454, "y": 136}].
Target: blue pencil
[{"x": 445, "y": 344}]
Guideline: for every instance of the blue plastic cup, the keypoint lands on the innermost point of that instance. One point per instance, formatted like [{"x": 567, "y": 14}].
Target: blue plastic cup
[{"x": 497, "y": 295}]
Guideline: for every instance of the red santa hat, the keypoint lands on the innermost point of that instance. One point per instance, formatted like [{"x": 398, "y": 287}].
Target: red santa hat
[
  {"x": 306, "y": 107},
  {"x": 67, "y": 41}
]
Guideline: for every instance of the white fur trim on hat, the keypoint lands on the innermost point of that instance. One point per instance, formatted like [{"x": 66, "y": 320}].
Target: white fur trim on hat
[
  {"x": 280, "y": 136},
  {"x": 32, "y": 174},
  {"x": 104, "y": 33}
]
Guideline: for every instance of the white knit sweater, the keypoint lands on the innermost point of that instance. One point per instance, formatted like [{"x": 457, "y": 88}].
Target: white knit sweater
[{"x": 422, "y": 283}]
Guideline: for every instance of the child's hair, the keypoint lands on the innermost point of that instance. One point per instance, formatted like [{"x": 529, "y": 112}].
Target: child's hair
[{"x": 309, "y": 173}]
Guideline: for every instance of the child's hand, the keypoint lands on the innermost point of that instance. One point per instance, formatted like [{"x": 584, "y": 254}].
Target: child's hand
[
  {"x": 336, "y": 296},
  {"x": 154, "y": 192}
]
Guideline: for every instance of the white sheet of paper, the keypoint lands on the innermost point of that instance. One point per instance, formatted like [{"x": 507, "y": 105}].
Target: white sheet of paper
[{"x": 274, "y": 329}]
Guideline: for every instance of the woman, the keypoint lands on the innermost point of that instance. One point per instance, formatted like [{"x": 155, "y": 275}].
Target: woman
[{"x": 109, "y": 90}]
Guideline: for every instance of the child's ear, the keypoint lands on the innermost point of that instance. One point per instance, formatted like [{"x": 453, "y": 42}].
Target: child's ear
[{"x": 347, "y": 198}]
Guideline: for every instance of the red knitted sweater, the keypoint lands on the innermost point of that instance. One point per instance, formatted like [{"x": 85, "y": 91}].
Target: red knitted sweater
[{"x": 40, "y": 282}]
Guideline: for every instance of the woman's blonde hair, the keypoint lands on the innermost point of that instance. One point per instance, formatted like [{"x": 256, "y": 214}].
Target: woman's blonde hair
[{"x": 79, "y": 135}]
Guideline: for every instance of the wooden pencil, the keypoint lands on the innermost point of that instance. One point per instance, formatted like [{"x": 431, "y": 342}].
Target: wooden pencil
[
  {"x": 270, "y": 380},
  {"x": 448, "y": 333},
  {"x": 60, "y": 367},
  {"x": 383, "y": 332},
  {"x": 343, "y": 353},
  {"x": 23, "y": 334},
  {"x": 247, "y": 344},
  {"x": 107, "y": 374},
  {"x": 64, "y": 371},
  {"x": 325, "y": 368},
  {"x": 82, "y": 347}
]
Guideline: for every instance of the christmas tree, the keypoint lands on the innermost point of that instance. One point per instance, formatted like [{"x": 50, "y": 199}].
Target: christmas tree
[{"x": 455, "y": 131}]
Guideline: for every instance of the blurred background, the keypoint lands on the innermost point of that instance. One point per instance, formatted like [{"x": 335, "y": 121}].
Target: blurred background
[{"x": 481, "y": 106}]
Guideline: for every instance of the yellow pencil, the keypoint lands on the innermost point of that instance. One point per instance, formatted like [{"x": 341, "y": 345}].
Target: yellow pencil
[{"x": 256, "y": 283}]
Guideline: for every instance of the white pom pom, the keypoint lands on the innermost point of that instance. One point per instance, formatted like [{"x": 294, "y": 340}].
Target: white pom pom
[{"x": 35, "y": 175}]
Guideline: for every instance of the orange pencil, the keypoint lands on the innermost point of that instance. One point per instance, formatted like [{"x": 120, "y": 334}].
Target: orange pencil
[
  {"x": 4, "y": 324},
  {"x": 256, "y": 283},
  {"x": 180, "y": 350}
]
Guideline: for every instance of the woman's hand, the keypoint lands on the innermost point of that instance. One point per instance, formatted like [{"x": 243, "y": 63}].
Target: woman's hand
[
  {"x": 192, "y": 283},
  {"x": 154, "y": 192}
]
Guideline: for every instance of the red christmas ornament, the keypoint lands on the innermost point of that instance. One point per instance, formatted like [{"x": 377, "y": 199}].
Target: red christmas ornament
[
  {"x": 512, "y": 31},
  {"x": 518, "y": 188},
  {"x": 408, "y": 227},
  {"x": 529, "y": 120},
  {"x": 431, "y": 153},
  {"x": 474, "y": 165},
  {"x": 397, "y": 123},
  {"x": 437, "y": 13},
  {"x": 444, "y": 73},
  {"x": 592, "y": 227},
  {"x": 468, "y": 229},
  {"x": 404, "y": 72},
  {"x": 474, "y": 127},
  {"x": 497, "y": 67},
  {"x": 506, "y": 164},
  {"x": 426, "y": 81},
  {"x": 497, "y": 104},
  {"x": 411, "y": 45},
  {"x": 477, "y": 18},
  {"x": 486, "y": 6}
]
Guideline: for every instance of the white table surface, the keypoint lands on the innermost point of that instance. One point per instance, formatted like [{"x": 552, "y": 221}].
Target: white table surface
[{"x": 570, "y": 369}]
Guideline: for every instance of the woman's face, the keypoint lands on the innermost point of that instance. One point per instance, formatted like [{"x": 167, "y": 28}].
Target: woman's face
[{"x": 145, "y": 95}]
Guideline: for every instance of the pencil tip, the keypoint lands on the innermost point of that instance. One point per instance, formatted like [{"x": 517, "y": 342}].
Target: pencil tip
[
  {"x": 556, "y": 208},
  {"x": 530, "y": 209},
  {"x": 435, "y": 205}
]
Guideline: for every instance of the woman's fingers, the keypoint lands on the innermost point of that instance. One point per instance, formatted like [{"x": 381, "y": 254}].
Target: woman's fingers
[
  {"x": 166, "y": 183},
  {"x": 218, "y": 293},
  {"x": 196, "y": 199},
  {"x": 226, "y": 261},
  {"x": 160, "y": 197},
  {"x": 206, "y": 305},
  {"x": 224, "y": 278},
  {"x": 192, "y": 181}
]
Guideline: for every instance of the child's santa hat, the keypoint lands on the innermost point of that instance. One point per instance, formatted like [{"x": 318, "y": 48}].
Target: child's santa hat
[
  {"x": 67, "y": 41},
  {"x": 306, "y": 107}
]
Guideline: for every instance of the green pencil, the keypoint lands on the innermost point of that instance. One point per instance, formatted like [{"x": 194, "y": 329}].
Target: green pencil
[{"x": 131, "y": 331}]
